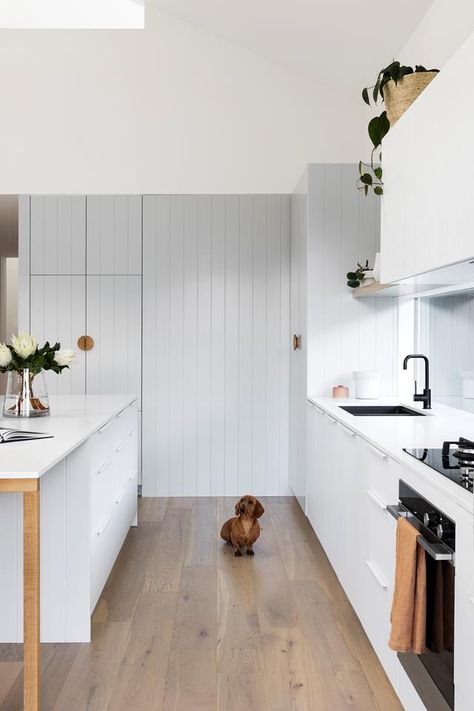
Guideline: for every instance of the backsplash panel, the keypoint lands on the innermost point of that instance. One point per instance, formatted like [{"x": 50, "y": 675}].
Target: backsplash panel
[{"x": 446, "y": 335}]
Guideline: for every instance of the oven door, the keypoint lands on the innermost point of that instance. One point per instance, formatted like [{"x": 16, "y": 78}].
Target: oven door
[{"x": 432, "y": 673}]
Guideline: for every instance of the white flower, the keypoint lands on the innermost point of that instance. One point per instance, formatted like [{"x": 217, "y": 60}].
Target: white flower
[
  {"x": 5, "y": 356},
  {"x": 64, "y": 357},
  {"x": 24, "y": 344}
]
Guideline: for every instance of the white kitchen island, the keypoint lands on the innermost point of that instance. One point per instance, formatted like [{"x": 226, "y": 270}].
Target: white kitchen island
[{"x": 74, "y": 498}]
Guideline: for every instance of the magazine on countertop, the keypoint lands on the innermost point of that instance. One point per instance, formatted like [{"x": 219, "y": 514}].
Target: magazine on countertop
[{"x": 8, "y": 435}]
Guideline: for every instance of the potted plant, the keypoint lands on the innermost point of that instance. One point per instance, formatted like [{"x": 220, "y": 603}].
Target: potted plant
[
  {"x": 397, "y": 86},
  {"x": 363, "y": 275},
  {"x": 25, "y": 363}
]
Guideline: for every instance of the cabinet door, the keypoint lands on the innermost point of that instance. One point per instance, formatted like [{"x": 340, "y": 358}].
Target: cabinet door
[
  {"x": 347, "y": 513},
  {"x": 313, "y": 416},
  {"x": 58, "y": 234},
  {"x": 114, "y": 322},
  {"x": 327, "y": 489},
  {"x": 464, "y": 611},
  {"x": 298, "y": 365},
  {"x": 114, "y": 234},
  {"x": 380, "y": 488},
  {"x": 58, "y": 313}
]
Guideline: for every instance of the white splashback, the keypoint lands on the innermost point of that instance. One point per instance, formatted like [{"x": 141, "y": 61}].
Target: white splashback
[
  {"x": 215, "y": 345},
  {"x": 345, "y": 334},
  {"x": 447, "y": 337}
]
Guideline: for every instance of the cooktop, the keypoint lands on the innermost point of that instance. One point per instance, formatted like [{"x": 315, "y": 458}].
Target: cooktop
[{"x": 446, "y": 462}]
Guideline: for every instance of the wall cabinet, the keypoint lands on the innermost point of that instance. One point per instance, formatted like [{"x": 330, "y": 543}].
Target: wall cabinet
[
  {"x": 57, "y": 235},
  {"x": 426, "y": 207},
  {"x": 114, "y": 234}
]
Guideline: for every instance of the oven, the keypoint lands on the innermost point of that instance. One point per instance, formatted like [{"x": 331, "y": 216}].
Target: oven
[{"x": 432, "y": 673}]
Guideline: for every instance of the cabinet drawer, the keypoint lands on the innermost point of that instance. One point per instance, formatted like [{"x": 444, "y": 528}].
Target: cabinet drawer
[
  {"x": 375, "y": 615},
  {"x": 127, "y": 419},
  {"x": 102, "y": 492},
  {"x": 103, "y": 443},
  {"x": 109, "y": 535}
]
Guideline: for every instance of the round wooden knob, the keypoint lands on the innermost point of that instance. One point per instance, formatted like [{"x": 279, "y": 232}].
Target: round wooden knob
[{"x": 85, "y": 343}]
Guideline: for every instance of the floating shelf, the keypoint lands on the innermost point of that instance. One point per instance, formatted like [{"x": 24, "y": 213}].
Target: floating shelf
[
  {"x": 445, "y": 280},
  {"x": 372, "y": 290}
]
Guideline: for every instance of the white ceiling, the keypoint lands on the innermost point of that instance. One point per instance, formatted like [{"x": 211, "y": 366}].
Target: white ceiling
[{"x": 339, "y": 40}]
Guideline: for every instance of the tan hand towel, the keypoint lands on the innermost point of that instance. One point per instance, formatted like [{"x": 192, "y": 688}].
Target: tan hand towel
[{"x": 409, "y": 598}]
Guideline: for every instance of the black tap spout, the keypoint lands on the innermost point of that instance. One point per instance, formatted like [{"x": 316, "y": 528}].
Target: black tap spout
[{"x": 424, "y": 397}]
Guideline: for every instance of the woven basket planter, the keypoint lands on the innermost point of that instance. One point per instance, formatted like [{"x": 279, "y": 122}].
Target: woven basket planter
[{"x": 399, "y": 97}]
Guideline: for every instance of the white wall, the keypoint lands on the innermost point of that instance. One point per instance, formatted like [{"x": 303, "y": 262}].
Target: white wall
[
  {"x": 171, "y": 109},
  {"x": 446, "y": 25}
]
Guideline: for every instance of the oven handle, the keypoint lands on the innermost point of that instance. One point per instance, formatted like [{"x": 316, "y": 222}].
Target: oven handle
[{"x": 437, "y": 550}]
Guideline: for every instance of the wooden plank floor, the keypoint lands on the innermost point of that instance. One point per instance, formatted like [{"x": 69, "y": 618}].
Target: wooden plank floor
[{"x": 182, "y": 624}]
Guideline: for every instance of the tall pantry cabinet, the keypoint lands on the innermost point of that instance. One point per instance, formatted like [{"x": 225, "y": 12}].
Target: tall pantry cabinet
[{"x": 80, "y": 275}]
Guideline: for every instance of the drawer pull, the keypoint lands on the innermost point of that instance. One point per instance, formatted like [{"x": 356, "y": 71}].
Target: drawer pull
[
  {"x": 378, "y": 453},
  {"x": 103, "y": 526},
  {"x": 347, "y": 431},
  {"x": 132, "y": 476},
  {"x": 377, "y": 574},
  {"x": 121, "y": 495},
  {"x": 132, "y": 432},
  {"x": 381, "y": 504},
  {"x": 105, "y": 427},
  {"x": 104, "y": 466},
  {"x": 120, "y": 446}
]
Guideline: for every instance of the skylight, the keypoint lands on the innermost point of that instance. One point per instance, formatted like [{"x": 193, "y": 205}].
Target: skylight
[{"x": 72, "y": 14}]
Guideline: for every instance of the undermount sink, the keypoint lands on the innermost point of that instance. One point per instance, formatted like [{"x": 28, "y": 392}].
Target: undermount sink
[{"x": 381, "y": 410}]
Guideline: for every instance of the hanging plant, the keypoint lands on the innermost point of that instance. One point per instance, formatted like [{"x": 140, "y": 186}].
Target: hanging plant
[{"x": 397, "y": 86}]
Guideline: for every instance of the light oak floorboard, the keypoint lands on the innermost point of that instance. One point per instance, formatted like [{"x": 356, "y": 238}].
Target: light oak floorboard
[{"x": 183, "y": 625}]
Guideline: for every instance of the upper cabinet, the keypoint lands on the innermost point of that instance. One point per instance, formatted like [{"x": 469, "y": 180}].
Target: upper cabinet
[
  {"x": 114, "y": 234},
  {"x": 58, "y": 234},
  {"x": 428, "y": 162}
]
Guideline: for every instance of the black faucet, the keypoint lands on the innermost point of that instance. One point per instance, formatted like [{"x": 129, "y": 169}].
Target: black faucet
[{"x": 424, "y": 397}]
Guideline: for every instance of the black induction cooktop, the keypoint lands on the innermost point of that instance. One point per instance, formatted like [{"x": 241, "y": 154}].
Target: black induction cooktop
[{"x": 447, "y": 465}]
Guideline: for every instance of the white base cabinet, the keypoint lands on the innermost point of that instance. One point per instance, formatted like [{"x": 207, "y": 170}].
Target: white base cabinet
[
  {"x": 349, "y": 485},
  {"x": 88, "y": 503}
]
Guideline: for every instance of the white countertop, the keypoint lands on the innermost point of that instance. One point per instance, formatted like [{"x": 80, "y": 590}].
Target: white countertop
[
  {"x": 393, "y": 434},
  {"x": 73, "y": 420}
]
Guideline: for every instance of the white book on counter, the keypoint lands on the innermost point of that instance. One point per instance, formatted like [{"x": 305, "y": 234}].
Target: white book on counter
[{"x": 8, "y": 435}]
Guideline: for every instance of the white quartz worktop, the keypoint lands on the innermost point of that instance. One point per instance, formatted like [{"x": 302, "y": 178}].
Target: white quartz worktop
[
  {"x": 393, "y": 434},
  {"x": 73, "y": 420}
]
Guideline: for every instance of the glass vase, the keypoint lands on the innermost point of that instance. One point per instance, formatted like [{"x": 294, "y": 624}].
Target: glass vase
[{"x": 26, "y": 395}]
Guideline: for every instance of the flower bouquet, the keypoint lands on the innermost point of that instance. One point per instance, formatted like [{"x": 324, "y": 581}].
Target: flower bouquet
[{"x": 25, "y": 363}]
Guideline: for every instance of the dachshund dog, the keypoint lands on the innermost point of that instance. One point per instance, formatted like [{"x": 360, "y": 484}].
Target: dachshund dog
[{"x": 243, "y": 530}]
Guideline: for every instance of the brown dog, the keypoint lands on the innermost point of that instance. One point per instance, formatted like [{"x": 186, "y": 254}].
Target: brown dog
[{"x": 243, "y": 530}]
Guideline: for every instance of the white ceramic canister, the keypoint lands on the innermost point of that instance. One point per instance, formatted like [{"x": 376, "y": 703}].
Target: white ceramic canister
[
  {"x": 467, "y": 384},
  {"x": 367, "y": 384}
]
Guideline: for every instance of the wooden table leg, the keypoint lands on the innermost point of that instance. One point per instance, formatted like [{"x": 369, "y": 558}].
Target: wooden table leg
[{"x": 31, "y": 600}]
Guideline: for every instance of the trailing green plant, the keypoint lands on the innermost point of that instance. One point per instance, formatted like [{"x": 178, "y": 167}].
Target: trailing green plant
[
  {"x": 354, "y": 279},
  {"x": 371, "y": 173}
]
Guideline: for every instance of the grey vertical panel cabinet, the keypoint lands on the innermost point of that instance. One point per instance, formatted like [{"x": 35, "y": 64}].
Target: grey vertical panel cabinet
[
  {"x": 216, "y": 347},
  {"x": 114, "y": 234},
  {"x": 58, "y": 311},
  {"x": 57, "y": 234},
  {"x": 114, "y": 311},
  {"x": 85, "y": 278}
]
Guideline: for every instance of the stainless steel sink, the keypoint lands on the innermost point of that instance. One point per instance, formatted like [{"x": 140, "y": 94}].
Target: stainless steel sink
[{"x": 381, "y": 411}]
